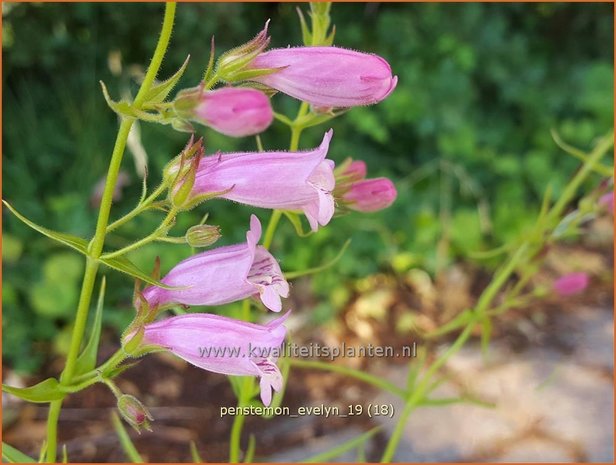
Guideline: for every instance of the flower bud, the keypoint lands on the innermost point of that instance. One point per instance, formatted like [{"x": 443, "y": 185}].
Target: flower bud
[
  {"x": 134, "y": 412},
  {"x": 571, "y": 283},
  {"x": 370, "y": 195},
  {"x": 232, "y": 111},
  {"x": 329, "y": 77},
  {"x": 202, "y": 235}
]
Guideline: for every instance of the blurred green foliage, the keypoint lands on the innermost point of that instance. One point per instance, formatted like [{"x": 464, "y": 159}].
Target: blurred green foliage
[{"x": 465, "y": 136}]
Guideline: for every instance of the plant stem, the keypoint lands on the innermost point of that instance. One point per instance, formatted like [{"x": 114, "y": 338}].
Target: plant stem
[
  {"x": 96, "y": 246},
  {"x": 138, "y": 209},
  {"x": 487, "y": 296},
  {"x": 149, "y": 238}
]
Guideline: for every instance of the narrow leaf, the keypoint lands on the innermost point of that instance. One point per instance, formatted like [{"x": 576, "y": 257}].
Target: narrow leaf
[
  {"x": 45, "y": 391},
  {"x": 69, "y": 240},
  {"x": 342, "y": 448},
  {"x": 124, "y": 265},
  {"x": 459, "y": 321},
  {"x": 210, "y": 64},
  {"x": 306, "y": 35},
  {"x": 87, "y": 360},
  {"x": 12, "y": 455},
  {"x": 318, "y": 269},
  {"x": 159, "y": 91},
  {"x": 127, "y": 445}
]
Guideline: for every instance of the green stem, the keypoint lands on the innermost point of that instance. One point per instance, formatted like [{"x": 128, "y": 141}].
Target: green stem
[
  {"x": 149, "y": 238},
  {"x": 346, "y": 371},
  {"x": 243, "y": 399},
  {"x": 138, "y": 209},
  {"x": 96, "y": 246},
  {"x": 486, "y": 298}
]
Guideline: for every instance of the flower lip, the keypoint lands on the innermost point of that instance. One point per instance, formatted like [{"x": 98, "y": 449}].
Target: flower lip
[
  {"x": 224, "y": 345},
  {"x": 224, "y": 275}
]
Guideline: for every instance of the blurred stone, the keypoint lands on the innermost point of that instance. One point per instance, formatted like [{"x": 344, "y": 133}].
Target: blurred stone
[{"x": 549, "y": 405}]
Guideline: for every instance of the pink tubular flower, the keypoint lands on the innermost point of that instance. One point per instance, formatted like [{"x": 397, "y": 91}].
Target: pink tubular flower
[
  {"x": 224, "y": 275},
  {"x": 370, "y": 195},
  {"x": 571, "y": 283},
  {"x": 301, "y": 181},
  {"x": 326, "y": 76},
  {"x": 224, "y": 345}
]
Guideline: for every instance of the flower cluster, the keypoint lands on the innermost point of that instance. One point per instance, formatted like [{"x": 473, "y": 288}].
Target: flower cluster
[{"x": 295, "y": 181}]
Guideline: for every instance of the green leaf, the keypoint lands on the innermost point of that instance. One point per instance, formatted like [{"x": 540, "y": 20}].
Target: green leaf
[
  {"x": 124, "y": 265},
  {"x": 306, "y": 35},
  {"x": 318, "y": 269},
  {"x": 122, "y": 108},
  {"x": 12, "y": 455},
  {"x": 87, "y": 359},
  {"x": 69, "y": 240},
  {"x": 342, "y": 448},
  {"x": 45, "y": 391},
  {"x": 127, "y": 445},
  {"x": 159, "y": 91}
]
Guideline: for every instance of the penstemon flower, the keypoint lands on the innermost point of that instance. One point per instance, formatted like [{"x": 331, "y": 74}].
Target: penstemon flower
[
  {"x": 232, "y": 111},
  {"x": 301, "y": 181},
  {"x": 355, "y": 192},
  {"x": 571, "y": 283},
  {"x": 224, "y": 345},
  {"x": 326, "y": 77},
  {"x": 224, "y": 275}
]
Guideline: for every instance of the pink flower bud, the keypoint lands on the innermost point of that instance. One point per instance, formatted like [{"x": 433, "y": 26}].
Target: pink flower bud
[
  {"x": 224, "y": 345},
  {"x": 235, "y": 112},
  {"x": 356, "y": 170},
  {"x": 232, "y": 111},
  {"x": 571, "y": 283},
  {"x": 301, "y": 181},
  {"x": 326, "y": 76},
  {"x": 370, "y": 195},
  {"x": 224, "y": 275}
]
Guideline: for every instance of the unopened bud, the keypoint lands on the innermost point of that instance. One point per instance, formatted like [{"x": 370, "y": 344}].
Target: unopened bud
[
  {"x": 134, "y": 412},
  {"x": 233, "y": 62},
  {"x": 202, "y": 235}
]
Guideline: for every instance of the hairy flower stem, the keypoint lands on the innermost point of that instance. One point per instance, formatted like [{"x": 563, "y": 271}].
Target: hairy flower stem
[{"x": 96, "y": 246}]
